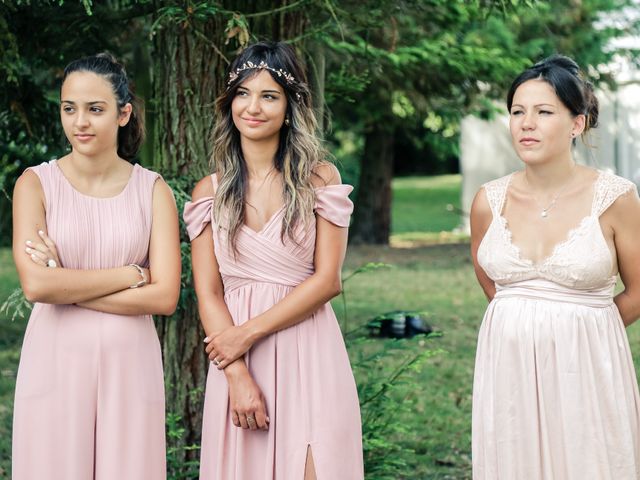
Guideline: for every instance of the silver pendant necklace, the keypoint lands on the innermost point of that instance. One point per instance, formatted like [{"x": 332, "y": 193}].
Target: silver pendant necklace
[{"x": 544, "y": 211}]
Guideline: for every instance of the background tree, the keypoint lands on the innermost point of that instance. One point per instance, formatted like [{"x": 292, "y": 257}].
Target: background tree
[{"x": 418, "y": 67}]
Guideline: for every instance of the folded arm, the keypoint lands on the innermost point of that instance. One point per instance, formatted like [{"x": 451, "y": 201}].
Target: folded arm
[
  {"x": 55, "y": 285},
  {"x": 160, "y": 295}
]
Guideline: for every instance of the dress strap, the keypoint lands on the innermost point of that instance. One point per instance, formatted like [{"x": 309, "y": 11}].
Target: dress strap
[
  {"x": 608, "y": 188},
  {"x": 496, "y": 191}
]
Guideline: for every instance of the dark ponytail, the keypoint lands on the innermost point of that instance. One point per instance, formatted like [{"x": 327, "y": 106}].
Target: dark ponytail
[
  {"x": 564, "y": 75},
  {"x": 131, "y": 136}
]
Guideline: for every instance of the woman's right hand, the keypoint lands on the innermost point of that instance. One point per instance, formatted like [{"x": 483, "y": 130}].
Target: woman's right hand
[{"x": 248, "y": 407}]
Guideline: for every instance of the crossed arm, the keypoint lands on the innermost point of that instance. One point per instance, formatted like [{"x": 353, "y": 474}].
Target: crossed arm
[{"x": 105, "y": 290}]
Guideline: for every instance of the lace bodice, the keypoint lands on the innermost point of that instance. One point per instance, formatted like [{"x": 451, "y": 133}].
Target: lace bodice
[{"x": 583, "y": 261}]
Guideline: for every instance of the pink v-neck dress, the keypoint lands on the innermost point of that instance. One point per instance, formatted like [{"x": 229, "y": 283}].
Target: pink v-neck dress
[
  {"x": 89, "y": 400},
  {"x": 303, "y": 371},
  {"x": 555, "y": 394}
]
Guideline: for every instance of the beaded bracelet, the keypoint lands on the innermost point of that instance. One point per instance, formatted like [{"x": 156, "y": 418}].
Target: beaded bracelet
[{"x": 143, "y": 280}]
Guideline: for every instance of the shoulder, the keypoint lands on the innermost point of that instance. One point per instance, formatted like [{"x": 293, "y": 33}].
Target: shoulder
[
  {"x": 145, "y": 172},
  {"x": 614, "y": 194},
  {"x": 162, "y": 188},
  {"x": 623, "y": 196},
  {"x": 480, "y": 204},
  {"x": 203, "y": 189},
  {"x": 481, "y": 214},
  {"x": 498, "y": 183},
  {"x": 325, "y": 174},
  {"x": 616, "y": 183},
  {"x": 29, "y": 181}
]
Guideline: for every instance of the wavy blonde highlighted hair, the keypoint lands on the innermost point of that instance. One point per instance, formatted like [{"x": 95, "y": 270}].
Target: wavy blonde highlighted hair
[{"x": 299, "y": 150}]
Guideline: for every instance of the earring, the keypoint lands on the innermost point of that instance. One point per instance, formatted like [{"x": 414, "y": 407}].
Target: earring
[
  {"x": 286, "y": 121},
  {"x": 573, "y": 135}
]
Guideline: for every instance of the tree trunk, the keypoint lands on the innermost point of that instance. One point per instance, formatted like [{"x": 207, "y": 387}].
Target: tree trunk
[
  {"x": 372, "y": 215},
  {"x": 316, "y": 67},
  {"x": 187, "y": 73}
]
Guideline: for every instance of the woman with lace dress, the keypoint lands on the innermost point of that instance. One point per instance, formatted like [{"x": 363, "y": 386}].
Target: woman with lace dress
[
  {"x": 268, "y": 236},
  {"x": 555, "y": 394}
]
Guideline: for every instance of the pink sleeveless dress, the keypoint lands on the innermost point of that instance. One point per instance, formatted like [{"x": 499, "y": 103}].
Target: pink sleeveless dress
[
  {"x": 303, "y": 371},
  {"x": 89, "y": 400},
  {"x": 555, "y": 394}
]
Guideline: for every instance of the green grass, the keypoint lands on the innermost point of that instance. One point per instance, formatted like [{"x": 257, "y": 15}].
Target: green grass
[
  {"x": 10, "y": 340},
  {"x": 420, "y": 204},
  {"x": 440, "y": 280}
]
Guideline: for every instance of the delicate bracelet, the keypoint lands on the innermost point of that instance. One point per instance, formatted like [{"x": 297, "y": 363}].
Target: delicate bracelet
[{"x": 143, "y": 280}]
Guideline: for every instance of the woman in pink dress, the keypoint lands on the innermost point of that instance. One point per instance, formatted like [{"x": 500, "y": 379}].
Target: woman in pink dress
[
  {"x": 555, "y": 393},
  {"x": 268, "y": 235},
  {"x": 96, "y": 245}
]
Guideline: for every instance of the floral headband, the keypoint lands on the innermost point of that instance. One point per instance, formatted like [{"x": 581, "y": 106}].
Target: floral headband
[{"x": 233, "y": 76}]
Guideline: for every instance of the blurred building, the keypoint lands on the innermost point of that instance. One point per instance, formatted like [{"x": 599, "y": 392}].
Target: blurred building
[{"x": 486, "y": 152}]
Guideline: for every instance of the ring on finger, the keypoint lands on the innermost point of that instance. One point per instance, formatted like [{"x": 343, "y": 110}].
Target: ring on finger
[
  {"x": 51, "y": 263},
  {"x": 215, "y": 362},
  {"x": 251, "y": 420}
]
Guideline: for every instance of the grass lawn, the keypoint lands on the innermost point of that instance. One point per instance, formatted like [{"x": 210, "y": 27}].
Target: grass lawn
[
  {"x": 10, "y": 340},
  {"x": 436, "y": 278}
]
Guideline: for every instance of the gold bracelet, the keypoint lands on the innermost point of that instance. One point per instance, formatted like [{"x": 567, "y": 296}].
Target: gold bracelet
[{"x": 143, "y": 280}]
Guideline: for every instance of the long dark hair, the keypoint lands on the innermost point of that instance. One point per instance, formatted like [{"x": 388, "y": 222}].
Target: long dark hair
[
  {"x": 299, "y": 150},
  {"x": 131, "y": 136},
  {"x": 564, "y": 75}
]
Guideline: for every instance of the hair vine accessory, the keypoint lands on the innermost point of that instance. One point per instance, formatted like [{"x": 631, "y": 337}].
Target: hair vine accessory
[{"x": 233, "y": 76}]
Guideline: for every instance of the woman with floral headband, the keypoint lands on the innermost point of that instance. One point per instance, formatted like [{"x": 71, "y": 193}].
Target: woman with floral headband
[{"x": 268, "y": 235}]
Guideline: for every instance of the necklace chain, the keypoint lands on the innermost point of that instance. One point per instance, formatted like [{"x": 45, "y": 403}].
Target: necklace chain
[{"x": 544, "y": 211}]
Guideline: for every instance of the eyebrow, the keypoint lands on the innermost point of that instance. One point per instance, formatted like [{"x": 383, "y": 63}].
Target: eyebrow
[
  {"x": 90, "y": 103},
  {"x": 263, "y": 91},
  {"x": 537, "y": 105}
]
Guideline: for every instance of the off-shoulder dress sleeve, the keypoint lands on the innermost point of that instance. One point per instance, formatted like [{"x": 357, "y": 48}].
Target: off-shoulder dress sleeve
[
  {"x": 333, "y": 204},
  {"x": 197, "y": 215}
]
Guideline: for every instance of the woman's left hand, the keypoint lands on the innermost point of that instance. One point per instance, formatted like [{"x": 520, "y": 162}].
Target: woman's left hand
[
  {"x": 225, "y": 347},
  {"x": 43, "y": 252}
]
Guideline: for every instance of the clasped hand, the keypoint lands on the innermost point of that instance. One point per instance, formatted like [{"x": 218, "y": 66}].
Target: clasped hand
[
  {"x": 44, "y": 252},
  {"x": 226, "y": 346}
]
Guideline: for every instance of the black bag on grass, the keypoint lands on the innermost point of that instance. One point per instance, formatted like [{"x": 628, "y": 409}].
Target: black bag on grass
[{"x": 398, "y": 324}]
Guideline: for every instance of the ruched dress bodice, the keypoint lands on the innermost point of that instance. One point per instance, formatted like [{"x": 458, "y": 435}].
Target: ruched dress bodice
[
  {"x": 303, "y": 371},
  {"x": 555, "y": 393}
]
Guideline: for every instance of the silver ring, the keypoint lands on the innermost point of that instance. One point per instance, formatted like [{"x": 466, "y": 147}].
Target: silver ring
[
  {"x": 250, "y": 419},
  {"x": 51, "y": 263},
  {"x": 215, "y": 362}
]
